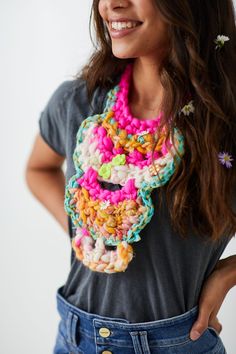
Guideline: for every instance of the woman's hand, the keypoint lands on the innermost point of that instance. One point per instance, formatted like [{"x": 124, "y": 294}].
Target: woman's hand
[{"x": 214, "y": 290}]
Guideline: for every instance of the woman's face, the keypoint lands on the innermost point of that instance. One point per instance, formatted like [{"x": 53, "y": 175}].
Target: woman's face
[{"x": 148, "y": 38}]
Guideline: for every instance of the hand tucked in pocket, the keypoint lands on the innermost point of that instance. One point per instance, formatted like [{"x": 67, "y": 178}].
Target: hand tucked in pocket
[{"x": 213, "y": 292}]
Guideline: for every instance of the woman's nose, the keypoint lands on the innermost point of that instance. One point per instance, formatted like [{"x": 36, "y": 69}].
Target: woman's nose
[{"x": 114, "y": 4}]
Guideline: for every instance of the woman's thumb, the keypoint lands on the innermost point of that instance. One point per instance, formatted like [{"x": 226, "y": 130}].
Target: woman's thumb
[{"x": 199, "y": 326}]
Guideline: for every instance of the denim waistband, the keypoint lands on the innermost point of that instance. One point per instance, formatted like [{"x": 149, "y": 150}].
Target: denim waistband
[
  {"x": 85, "y": 332},
  {"x": 182, "y": 323}
]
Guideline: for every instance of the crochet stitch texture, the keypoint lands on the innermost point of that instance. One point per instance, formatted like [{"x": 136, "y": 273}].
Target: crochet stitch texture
[{"x": 114, "y": 148}]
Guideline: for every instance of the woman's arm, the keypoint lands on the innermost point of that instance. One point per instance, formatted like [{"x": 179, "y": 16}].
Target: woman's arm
[
  {"x": 213, "y": 293},
  {"x": 227, "y": 266},
  {"x": 45, "y": 179}
]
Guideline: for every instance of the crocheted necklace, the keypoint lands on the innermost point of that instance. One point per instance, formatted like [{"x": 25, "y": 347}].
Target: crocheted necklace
[{"x": 115, "y": 148}]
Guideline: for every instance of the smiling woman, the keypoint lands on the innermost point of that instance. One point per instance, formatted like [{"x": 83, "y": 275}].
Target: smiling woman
[
  {"x": 148, "y": 130},
  {"x": 143, "y": 28}
]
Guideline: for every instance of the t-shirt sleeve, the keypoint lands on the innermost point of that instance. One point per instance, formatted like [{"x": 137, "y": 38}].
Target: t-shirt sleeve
[{"x": 52, "y": 120}]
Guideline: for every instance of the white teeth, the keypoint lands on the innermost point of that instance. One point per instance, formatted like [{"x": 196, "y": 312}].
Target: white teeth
[{"x": 121, "y": 25}]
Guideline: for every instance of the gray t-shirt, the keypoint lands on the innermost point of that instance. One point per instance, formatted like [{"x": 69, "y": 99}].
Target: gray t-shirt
[{"x": 166, "y": 274}]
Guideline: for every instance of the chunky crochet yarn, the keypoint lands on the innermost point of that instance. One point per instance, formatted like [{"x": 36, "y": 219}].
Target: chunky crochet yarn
[{"x": 109, "y": 197}]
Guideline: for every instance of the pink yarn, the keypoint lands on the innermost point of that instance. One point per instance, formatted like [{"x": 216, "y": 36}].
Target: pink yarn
[
  {"x": 131, "y": 124},
  {"x": 146, "y": 160},
  {"x": 85, "y": 232},
  {"x": 78, "y": 238},
  {"x": 90, "y": 183},
  {"x": 121, "y": 108}
]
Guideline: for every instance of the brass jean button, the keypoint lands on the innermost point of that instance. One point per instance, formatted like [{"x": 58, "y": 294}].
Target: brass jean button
[
  {"x": 104, "y": 332},
  {"x": 106, "y": 352}
]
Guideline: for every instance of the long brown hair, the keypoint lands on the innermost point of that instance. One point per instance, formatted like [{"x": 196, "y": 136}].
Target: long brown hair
[{"x": 201, "y": 190}]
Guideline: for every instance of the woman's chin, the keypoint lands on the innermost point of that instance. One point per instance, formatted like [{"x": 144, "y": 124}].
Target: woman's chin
[
  {"x": 123, "y": 54},
  {"x": 123, "y": 51}
]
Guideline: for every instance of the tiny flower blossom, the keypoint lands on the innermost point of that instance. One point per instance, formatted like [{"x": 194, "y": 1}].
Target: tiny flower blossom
[
  {"x": 119, "y": 159},
  {"x": 105, "y": 204},
  {"x": 220, "y": 41},
  {"x": 188, "y": 108},
  {"x": 225, "y": 159},
  {"x": 105, "y": 170}
]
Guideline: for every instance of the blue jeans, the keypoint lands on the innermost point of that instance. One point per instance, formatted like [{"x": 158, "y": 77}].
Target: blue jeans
[{"x": 81, "y": 332}]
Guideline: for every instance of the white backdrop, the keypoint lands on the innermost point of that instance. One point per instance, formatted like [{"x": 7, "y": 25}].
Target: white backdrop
[{"x": 42, "y": 43}]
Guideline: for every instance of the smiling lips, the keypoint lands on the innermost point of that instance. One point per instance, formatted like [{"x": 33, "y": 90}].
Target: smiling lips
[
  {"x": 119, "y": 29},
  {"x": 121, "y": 25}
]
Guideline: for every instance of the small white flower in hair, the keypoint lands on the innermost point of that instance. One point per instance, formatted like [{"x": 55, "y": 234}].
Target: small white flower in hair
[
  {"x": 188, "y": 108},
  {"x": 220, "y": 41}
]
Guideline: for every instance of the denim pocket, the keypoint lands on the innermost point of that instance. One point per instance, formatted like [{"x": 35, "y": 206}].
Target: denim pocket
[
  {"x": 66, "y": 332},
  {"x": 208, "y": 343},
  {"x": 213, "y": 330},
  {"x": 221, "y": 347},
  {"x": 61, "y": 346}
]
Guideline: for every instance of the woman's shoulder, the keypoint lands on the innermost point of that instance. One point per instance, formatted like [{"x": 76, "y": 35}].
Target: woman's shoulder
[
  {"x": 75, "y": 91},
  {"x": 68, "y": 88}
]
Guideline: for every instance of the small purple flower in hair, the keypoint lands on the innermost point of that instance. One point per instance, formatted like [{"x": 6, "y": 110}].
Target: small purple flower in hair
[
  {"x": 225, "y": 159},
  {"x": 220, "y": 41}
]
